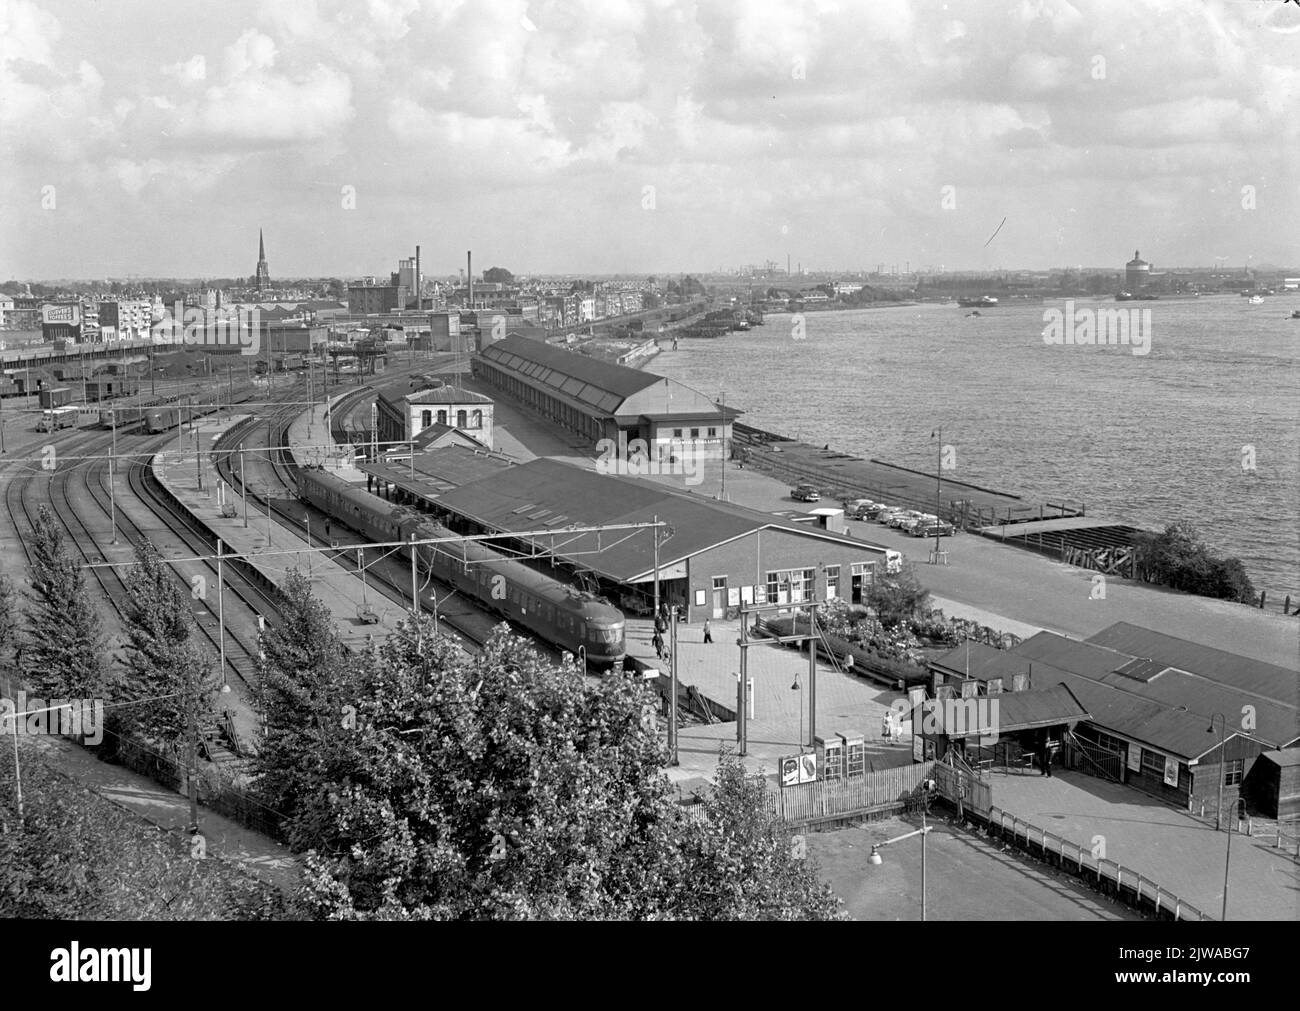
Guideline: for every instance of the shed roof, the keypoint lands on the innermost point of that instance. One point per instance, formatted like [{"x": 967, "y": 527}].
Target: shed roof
[
  {"x": 1279, "y": 684},
  {"x": 1171, "y": 687},
  {"x": 1287, "y": 758}
]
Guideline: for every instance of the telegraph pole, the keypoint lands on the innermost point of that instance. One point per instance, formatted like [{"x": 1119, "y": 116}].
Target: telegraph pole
[
  {"x": 112, "y": 483},
  {"x": 656, "y": 531},
  {"x": 672, "y": 691},
  {"x": 221, "y": 611},
  {"x": 243, "y": 484}
]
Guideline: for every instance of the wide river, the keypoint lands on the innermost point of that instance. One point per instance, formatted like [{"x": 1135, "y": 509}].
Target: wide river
[{"x": 1203, "y": 429}]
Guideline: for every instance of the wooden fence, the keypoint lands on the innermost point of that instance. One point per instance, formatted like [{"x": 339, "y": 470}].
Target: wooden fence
[{"x": 874, "y": 792}]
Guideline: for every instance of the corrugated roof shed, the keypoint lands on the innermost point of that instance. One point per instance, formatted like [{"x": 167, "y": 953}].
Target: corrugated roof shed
[
  {"x": 1265, "y": 679},
  {"x": 598, "y": 383},
  {"x": 551, "y": 493}
]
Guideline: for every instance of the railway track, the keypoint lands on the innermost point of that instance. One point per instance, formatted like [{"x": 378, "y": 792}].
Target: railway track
[
  {"x": 79, "y": 492},
  {"x": 469, "y": 622}
]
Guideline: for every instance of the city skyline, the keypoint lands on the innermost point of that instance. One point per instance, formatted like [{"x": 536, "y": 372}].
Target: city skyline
[{"x": 644, "y": 138}]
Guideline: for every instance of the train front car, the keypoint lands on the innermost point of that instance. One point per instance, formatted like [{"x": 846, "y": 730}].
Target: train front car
[{"x": 605, "y": 630}]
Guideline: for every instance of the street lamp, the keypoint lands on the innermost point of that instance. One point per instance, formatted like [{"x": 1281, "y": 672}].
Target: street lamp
[
  {"x": 1218, "y": 815},
  {"x": 927, "y": 787}
]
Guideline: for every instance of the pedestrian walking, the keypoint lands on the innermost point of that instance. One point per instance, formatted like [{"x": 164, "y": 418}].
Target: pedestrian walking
[
  {"x": 708, "y": 631},
  {"x": 658, "y": 641}
]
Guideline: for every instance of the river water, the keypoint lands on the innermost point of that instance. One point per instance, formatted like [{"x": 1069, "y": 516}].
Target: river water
[{"x": 1204, "y": 428}]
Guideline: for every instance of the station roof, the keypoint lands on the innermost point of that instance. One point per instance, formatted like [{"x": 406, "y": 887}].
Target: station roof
[
  {"x": 439, "y": 470},
  {"x": 549, "y": 493}
]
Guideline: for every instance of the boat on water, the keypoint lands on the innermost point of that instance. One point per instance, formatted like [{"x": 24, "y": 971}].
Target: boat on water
[
  {"x": 1256, "y": 300},
  {"x": 977, "y": 303}
]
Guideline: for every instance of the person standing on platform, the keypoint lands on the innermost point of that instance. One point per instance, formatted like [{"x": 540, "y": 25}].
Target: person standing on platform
[
  {"x": 658, "y": 641},
  {"x": 708, "y": 631}
]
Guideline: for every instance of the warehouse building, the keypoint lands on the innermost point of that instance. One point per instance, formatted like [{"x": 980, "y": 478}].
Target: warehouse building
[
  {"x": 712, "y": 556},
  {"x": 599, "y": 400}
]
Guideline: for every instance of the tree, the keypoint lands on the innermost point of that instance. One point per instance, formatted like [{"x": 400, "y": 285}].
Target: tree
[
  {"x": 1177, "y": 558},
  {"x": 302, "y": 689},
  {"x": 899, "y": 598},
  {"x": 77, "y": 856},
  {"x": 8, "y": 615},
  {"x": 502, "y": 786},
  {"x": 63, "y": 654},
  {"x": 165, "y": 663},
  {"x": 498, "y": 275},
  {"x": 742, "y": 861}
]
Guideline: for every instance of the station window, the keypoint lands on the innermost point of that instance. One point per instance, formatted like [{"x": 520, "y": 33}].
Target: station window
[
  {"x": 1232, "y": 771},
  {"x": 713, "y": 433},
  {"x": 832, "y": 582},
  {"x": 695, "y": 433},
  {"x": 677, "y": 433},
  {"x": 1153, "y": 762}
]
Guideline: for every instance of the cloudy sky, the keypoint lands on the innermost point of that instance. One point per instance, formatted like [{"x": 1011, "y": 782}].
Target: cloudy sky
[{"x": 644, "y": 135}]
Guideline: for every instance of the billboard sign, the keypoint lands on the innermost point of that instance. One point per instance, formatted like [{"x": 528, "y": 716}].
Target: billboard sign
[{"x": 70, "y": 314}]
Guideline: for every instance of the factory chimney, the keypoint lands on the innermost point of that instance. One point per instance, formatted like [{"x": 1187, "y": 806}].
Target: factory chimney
[
  {"x": 469, "y": 276},
  {"x": 417, "y": 278}
]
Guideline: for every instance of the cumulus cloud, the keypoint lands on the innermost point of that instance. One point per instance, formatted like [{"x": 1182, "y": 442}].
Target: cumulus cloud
[{"x": 747, "y": 116}]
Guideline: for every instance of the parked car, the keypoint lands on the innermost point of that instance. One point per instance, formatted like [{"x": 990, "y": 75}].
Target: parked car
[
  {"x": 898, "y": 520},
  {"x": 936, "y": 528},
  {"x": 805, "y": 493},
  {"x": 887, "y": 514},
  {"x": 862, "y": 508}
]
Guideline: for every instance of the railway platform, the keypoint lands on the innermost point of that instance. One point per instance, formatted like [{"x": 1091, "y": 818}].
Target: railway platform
[
  {"x": 268, "y": 547},
  {"x": 845, "y": 704}
]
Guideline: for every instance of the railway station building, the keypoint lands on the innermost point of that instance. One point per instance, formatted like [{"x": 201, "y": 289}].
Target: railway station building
[
  {"x": 1153, "y": 702},
  {"x": 712, "y": 556},
  {"x": 600, "y": 400},
  {"x": 402, "y": 414}
]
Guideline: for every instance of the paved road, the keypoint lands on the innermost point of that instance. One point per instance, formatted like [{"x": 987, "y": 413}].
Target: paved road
[
  {"x": 1169, "y": 846},
  {"x": 967, "y": 878},
  {"x": 1031, "y": 590}
]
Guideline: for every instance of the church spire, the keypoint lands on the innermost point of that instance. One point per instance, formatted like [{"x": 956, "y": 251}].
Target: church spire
[{"x": 261, "y": 279}]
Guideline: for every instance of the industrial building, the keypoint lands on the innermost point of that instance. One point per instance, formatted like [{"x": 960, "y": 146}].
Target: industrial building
[{"x": 599, "y": 400}]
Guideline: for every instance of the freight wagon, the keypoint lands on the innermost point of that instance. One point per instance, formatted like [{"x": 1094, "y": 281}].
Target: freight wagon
[
  {"x": 554, "y": 611},
  {"x": 57, "y": 397},
  {"x": 131, "y": 414}
]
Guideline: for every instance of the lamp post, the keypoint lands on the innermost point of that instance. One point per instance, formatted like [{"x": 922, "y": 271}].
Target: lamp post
[
  {"x": 924, "y": 831},
  {"x": 1218, "y": 816}
]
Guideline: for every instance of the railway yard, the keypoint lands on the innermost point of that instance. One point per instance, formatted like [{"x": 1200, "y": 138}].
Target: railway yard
[{"x": 108, "y": 488}]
